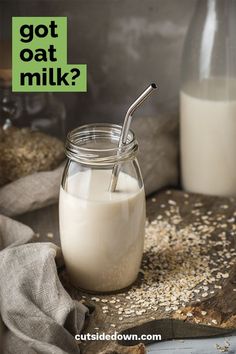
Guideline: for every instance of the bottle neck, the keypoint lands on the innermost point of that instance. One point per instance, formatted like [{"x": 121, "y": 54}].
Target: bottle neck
[
  {"x": 218, "y": 13},
  {"x": 210, "y": 47},
  {"x": 220, "y": 8}
]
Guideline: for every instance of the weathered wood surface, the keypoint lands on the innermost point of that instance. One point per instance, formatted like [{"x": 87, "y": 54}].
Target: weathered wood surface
[{"x": 190, "y": 251}]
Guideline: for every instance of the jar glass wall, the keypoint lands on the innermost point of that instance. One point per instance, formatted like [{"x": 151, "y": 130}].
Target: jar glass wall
[{"x": 102, "y": 232}]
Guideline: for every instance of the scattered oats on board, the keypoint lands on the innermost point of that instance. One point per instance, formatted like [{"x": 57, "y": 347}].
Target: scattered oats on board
[
  {"x": 182, "y": 263},
  {"x": 224, "y": 206},
  {"x": 223, "y": 348},
  {"x": 189, "y": 314},
  {"x": 171, "y": 202}
]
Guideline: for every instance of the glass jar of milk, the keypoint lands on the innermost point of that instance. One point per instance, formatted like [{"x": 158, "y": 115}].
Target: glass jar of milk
[
  {"x": 102, "y": 232},
  {"x": 208, "y": 100}
]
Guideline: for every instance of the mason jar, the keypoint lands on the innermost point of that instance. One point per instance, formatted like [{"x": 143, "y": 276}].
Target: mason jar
[{"x": 102, "y": 232}]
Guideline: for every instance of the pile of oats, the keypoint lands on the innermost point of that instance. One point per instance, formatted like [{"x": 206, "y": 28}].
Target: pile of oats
[{"x": 24, "y": 152}]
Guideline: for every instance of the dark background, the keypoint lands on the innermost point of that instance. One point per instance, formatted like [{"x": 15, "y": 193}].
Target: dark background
[{"x": 126, "y": 44}]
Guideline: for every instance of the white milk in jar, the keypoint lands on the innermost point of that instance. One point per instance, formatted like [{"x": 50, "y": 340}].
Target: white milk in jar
[
  {"x": 208, "y": 136},
  {"x": 102, "y": 232}
]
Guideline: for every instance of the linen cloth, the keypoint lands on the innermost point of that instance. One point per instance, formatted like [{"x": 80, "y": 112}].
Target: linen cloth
[{"x": 40, "y": 315}]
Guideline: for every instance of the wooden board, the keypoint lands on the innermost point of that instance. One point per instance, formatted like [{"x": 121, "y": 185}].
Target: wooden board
[{"x": 188, "y": 272}]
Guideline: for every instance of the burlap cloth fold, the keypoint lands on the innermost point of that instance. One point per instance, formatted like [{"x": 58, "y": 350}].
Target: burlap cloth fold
[
  {"x": 39, "y": 315},
  {"x": 31, "y": 192}
]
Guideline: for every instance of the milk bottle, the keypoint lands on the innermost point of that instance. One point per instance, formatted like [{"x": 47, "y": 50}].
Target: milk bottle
[{"x": 208, "y": 100}]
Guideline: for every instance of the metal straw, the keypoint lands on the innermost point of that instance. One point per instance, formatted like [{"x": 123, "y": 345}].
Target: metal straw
[{"x": 125, "y": 130}]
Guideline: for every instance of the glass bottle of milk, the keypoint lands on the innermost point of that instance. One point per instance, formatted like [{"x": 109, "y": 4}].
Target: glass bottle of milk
[
  {"x": 208, "y": 100},
  {"x": 102, "y": 232}
]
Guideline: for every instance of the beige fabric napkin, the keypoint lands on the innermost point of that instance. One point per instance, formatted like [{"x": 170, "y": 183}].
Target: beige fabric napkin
[{"x": 40, "y": 315}]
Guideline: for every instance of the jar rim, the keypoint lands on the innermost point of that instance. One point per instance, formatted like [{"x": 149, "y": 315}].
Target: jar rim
[{"x": 78, "y": 138}]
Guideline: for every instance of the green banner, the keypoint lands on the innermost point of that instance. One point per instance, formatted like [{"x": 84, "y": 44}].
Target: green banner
[{"x": 39, "y": 57}]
